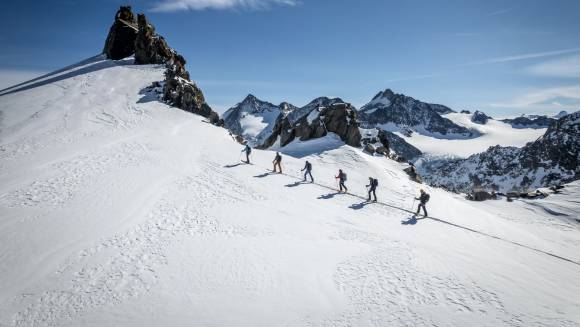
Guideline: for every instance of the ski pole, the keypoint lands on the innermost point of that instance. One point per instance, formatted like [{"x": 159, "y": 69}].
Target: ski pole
[{"x": 413, "y": 205}]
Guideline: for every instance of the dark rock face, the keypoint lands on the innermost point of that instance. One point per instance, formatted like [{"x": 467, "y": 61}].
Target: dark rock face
[
  {"x": 481, "y": 196},
  {"x": 466, "y": 112},
  {"x": 150, "y": 48},
  {"x": 397, "y": 144},
  {"x": 479, "y": 117},
  {"x": 315, "y": 120},
  {"x": 552, "y": 159},
  {"x": 413, "y": 174},
  {"x": 531, "y": 121},
  {"x": 405, "y": 112},
  {"x": 120, "y": 42},
  {"x": 180, "y": 92}
]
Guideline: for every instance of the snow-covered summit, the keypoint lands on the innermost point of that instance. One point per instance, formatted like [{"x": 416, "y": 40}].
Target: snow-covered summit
[{"x": 253, "y": 119}]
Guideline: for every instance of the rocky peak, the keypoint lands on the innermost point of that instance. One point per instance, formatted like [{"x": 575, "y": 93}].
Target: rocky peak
[
  {"x": 120, "y": 41},
  {"x": 388, "y": 94},
  {"x": 287, "y": 107},
  {"x": 480, "y": 117},
  {"x": 405, "y": 112},
  {"x": 127, "y": 37},
  {"x": 250, "y": 99},
  {"x": 323, "y": 102}
]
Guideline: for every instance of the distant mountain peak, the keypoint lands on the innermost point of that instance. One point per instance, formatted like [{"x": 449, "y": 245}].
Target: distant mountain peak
[{"x": 387, "y": 93}]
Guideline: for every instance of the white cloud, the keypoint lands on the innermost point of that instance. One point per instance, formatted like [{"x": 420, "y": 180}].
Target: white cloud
[
  {"x": 11, "y": 77},
  {"x": 563, "y": 67},
  {"x": 565, "y": 97},
  {"x": 178, "y": 5},
  {"x": 524, "y": 56},
  {"x": 500, "y": 12}
]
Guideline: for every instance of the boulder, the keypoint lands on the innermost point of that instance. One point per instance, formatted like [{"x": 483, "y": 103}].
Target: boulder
[
  {"x": 120, "y": 41},
  {"x": 413, "y": 174},
  {"x": 481, "y": 196},
  {"x": 382, "y": 150},
  {"x": 369, "y": 148}
]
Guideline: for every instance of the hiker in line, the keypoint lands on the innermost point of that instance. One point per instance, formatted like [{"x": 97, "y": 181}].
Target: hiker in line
[
  {"x": 308, "y": 171},
  {"x": 373, "y": 183},
  {"x": 277, "y": 161},
  {"x": 341, "y": 179},
  {"x": 248, "y": 150},
  {"x": 423, "y": 199}
]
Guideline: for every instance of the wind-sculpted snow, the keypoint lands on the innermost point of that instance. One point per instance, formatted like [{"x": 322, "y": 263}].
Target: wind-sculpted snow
[{"x": 116, "y": 210}]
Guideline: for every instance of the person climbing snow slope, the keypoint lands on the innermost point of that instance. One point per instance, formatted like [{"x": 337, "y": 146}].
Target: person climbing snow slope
[
  {"x": 341, "y": 179},
  {"x": 307, "y": 171},
  {"x": 277, "y": 161},
  {"x": 372, "y": 187},
  {"x": 248, "y": 150},
  {"x": 423, "y": 199}
]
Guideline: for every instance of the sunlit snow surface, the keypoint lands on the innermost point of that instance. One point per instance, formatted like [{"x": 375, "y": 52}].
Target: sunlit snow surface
[
  {"x": 117, "y": 210},
  {"x": 494, "y": 132}
]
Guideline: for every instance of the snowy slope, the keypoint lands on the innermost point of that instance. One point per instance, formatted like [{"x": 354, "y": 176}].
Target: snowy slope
[
  {"x": 494, "y": 132},
  {"x": 116, "y": 209}
]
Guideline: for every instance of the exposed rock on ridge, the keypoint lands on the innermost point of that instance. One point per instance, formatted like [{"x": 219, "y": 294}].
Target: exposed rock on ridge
[
  {"x": 120, "y": 42},
  {"x": 125, "y": 39}
]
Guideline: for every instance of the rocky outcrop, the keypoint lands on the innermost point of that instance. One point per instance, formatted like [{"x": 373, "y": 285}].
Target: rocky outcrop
[
  {"x": 315, "y": 120},
  {"x": 128, "y": 37},
  {"x": 397, "y": 144},
  {"x": 120, "y": 42},
  {"x": 552, "y": 159},
  {"x": 531, "y": 121},
  {"x": 400, "y": 111},
  {"x": 479, "y": 117},
  {"x": 150, "y": 48}
]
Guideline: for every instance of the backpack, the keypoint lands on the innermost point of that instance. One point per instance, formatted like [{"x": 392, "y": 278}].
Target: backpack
[
  {"x": 308, "y": 166},
  {"x": 248, "y": 150},
  {"x": 375, "y": 182},
  {"x": 426, "y": 198},
  {"x": 344, "y": 177},
  {"x": 279, "y": 158}
]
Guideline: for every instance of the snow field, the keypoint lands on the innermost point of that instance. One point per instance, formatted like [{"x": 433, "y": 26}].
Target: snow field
[{"x": 120, "y": 211}]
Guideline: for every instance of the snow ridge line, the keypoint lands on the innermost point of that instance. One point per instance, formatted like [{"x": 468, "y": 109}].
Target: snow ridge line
[{"x": 443, "y": 221}]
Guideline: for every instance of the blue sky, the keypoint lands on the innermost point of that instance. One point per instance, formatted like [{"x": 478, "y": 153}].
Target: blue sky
[{"x": 503, "y": 57}]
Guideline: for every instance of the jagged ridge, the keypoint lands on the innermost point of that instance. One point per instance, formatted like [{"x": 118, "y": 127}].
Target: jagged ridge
[{"x": 552, "y": 159}]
